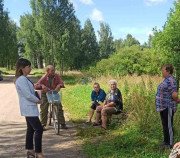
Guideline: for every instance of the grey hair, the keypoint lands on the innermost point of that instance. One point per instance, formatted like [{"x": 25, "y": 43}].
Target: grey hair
[
  {"x": 113, "y": 81},
  {"x": 49, "y": 67}
]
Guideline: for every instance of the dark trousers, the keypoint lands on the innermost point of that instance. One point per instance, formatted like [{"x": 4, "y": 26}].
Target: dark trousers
[
  {"x": 34, "y": 130},
  {"x": 167, "y": 123}
]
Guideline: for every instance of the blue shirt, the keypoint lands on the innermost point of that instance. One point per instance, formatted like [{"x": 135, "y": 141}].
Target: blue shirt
[
  {"x": 164, "y": 94},
  {"x": 98, "y": 97}
]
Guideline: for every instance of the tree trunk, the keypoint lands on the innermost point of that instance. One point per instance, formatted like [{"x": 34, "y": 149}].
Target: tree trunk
[
  {"x": 61, "y": 68},
  {"x": 38, "y": 59},
  {"x": 8, "y": 67},
  {"x": 52, "y": 53}
]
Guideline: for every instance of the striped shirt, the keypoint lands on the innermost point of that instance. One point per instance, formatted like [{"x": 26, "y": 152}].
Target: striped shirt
[{"x": 164, "y": 94}]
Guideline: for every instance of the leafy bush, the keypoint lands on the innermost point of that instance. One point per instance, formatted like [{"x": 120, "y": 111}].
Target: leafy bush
[{"x": 129, "y": 60}]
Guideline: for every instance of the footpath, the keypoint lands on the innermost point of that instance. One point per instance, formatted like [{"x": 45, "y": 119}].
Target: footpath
[{"x": 13, "y": 129}]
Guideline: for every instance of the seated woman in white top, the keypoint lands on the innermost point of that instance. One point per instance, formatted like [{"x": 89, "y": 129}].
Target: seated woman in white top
[{"x": 28, "y": 107}]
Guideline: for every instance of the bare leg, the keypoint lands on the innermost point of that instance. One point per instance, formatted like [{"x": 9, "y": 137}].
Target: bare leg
[
  {"x": 91, "y": 115},
  {"x": 98, "y": 114},
  {"x": 105, "y": 113},
  {"x": 104, "y": 121}
]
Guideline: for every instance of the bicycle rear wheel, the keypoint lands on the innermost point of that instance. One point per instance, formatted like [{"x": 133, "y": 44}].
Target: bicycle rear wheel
[{"x": 56, "y": 119}]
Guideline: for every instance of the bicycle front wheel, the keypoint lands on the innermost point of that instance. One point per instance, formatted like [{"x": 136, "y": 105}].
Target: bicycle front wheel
[
  {"x": 56, "y": 119},
  {"x": 49, "y": 114}
]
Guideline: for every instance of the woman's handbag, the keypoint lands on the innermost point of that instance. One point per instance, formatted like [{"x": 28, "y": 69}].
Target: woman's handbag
[{"x": 37, "y": 95}]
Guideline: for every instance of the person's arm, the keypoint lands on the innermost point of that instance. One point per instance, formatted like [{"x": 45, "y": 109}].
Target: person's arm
[
  {"x": 175, "y": 97},
  {"x": 23, "y": 86},
  {"x": 177, "y": 145},
  {"x": 39, "y": 85},
  {"x": 172, "y": 88},
  {"x": 60, "y": 82},
  {"x": 58, "y": 87},
  {"x": 92, "y": 97},
  {"x": 111, "y": 104}
]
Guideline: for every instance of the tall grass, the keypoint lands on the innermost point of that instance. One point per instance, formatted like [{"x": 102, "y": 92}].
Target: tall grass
[{"x": 138, "y": 135}]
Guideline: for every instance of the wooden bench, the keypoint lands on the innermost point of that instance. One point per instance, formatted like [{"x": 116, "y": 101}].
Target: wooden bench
[{"x": 116, "y": 118}]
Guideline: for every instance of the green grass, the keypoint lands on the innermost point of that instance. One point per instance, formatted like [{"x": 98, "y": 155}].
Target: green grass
[
  {"x": 138, "y": 135},
  {"x": 77, "y": 100},
  {"x": 70, "y": 79}
]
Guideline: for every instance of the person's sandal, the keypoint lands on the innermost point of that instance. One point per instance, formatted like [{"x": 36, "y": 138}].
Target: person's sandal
[
  {"x": 87, "y": 123},
  {"x": 95, "y": 124},
  {"x": 30, "y": 155},
  {"x": 36, "y": 156},
  {"x": 103, "y": 128}
]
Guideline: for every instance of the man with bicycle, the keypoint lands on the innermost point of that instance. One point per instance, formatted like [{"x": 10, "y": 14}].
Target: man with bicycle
[{"x": 50, "y": 81}]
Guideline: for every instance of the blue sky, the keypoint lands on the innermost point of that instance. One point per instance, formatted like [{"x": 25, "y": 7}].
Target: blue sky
[{"x": 136, "y": 17}]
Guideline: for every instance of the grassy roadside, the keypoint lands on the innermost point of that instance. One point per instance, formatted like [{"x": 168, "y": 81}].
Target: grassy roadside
[{"x": 138, "y": 136}]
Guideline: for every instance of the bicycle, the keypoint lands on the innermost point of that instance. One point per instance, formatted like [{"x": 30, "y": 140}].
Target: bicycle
[{"x": 54, "y": 98}]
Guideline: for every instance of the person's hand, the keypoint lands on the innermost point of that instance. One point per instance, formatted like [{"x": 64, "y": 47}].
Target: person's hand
[
  {"x": 39, "y": 102},
  {"x": 178, "y": 101},
  {"x": 44, "y": 89},
  {"x": 43, "y": 86},
  {"x": 92, "y": 102},
  {"x": 57, "y": 89},
  {"x": 177, "y": 145},
  {"x": 105, "y": 106}
]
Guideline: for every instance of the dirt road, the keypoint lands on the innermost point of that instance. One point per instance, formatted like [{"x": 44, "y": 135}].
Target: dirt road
[{"x": 13, "y": 129}]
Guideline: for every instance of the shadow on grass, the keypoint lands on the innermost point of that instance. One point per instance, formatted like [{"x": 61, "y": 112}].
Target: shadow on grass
[{"x": 127, "y": 143}]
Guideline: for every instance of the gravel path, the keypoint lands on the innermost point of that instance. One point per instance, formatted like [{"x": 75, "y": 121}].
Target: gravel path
[{"x": 13, "y": 129}]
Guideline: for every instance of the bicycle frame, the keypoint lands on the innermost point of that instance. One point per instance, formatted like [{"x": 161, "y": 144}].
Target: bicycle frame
[{"x": 53, "y": 112}]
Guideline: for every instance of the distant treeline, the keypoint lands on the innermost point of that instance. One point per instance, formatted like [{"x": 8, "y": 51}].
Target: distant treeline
[{"x": 52, "y": 34}]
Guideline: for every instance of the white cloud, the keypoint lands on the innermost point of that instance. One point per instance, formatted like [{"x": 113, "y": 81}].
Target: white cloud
[
  {"x": 88, "y": 2},
  {"x": 150, "y": 33},
  {"x": 153, "y": 2},
  {"x": 16, "y": 21},
  {"x": 97, "y": 15}
]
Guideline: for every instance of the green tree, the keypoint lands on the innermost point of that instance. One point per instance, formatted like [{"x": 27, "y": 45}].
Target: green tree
[
  {"x": 106, "y": 41},
  {"x": 118, "y": 44},
  {"x": 89, "y": 46},
  {"x": 52, "y": 18},
  {"x": 166, "y": 42},
  {"x": 130, "y": 40},
  {"x": 68, "y": 47},
  {"x": 8, "y": 40},
  {"x": 31, "y": 39}
]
